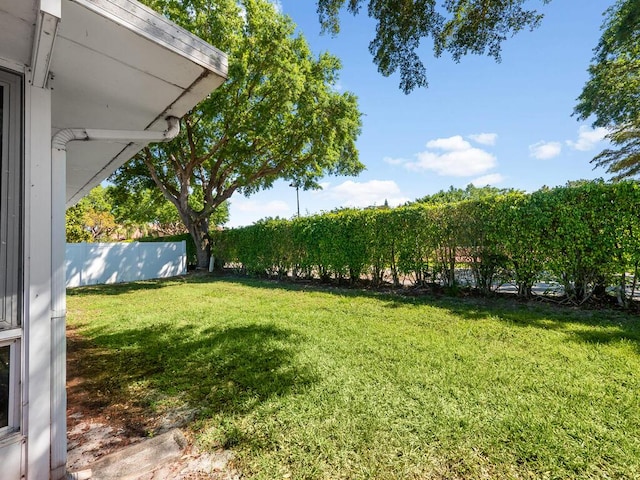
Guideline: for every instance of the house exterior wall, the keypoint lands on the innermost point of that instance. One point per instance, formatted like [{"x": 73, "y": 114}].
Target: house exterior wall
[
  {"x": 12, "y": 439},
  {"x": 25, "y": 450},
  {"x": 32, "y": 343},
  {"x": 35, "y": 450}
]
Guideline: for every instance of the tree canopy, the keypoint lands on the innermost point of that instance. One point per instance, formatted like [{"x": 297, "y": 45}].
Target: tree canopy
[
  {"x": 612, "y": 93},
  {"x": 470, "y": 192},
  {"x": 111, "y": 213},
  {"x": 458, "y": 27},
  {"x": 278, "y": 116},
  {"x": 147, "y": 211},
  {"x": 461, "y": 27},
  {"x": 91, "y": 220}
]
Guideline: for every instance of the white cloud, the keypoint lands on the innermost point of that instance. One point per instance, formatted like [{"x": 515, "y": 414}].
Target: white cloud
[
  {"x": 277, "y": 5},
  {"x": 451, "y": 144},
  {"x": 484, "y": 138},
  {"x": 394, "y": 161},
  {"x": 268, "y": 209},
  {"x": 459, "y": 159},
  {"x": 545, "y": 150},
  {"x": 462, "y": 163},
  {"x": 587, "y": 138},
  {"x": 243, "y": 211},
  {"x": 453, "y": 156},
  {"x": 490, "y": 179},
  {"x": 365, "y": 194}
]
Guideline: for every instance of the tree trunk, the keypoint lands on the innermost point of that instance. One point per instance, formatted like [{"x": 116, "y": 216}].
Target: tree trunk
[
  {"x": 524, "y": 289},
  {"x": 199, "y": 231},
  {"x": 600, "y": 287}
]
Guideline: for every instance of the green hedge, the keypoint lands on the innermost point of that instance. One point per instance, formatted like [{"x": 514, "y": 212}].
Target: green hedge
[{"x": 586, "y": 236}]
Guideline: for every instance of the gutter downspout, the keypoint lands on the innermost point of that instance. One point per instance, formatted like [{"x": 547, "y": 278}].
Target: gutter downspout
[
  {"x": 58, "y": 282},
  {"x": 60, "y": 139}
]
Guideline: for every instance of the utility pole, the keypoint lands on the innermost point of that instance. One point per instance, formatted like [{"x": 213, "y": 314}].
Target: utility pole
[{"x": 297, "y": 187}]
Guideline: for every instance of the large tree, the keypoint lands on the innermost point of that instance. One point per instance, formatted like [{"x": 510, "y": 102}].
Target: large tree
[
  {"x": 459, "y": 27},
  {"x": 612, "y": 93},
  {"x": 147, "y": 211},
  {"x": 278, "y": 116}
]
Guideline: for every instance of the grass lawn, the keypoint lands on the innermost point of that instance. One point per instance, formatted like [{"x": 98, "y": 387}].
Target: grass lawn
[{"x": 327, "y": 384}]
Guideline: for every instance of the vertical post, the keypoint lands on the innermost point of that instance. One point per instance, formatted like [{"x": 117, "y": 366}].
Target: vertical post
[
  {"x": 183, "y": 257},
  {"x": 37, "y": 282},
  {"x": 58, "y": 316},
  {"x": 296, "y": 184}
]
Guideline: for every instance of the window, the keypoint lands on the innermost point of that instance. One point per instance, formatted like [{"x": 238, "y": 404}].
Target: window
[
  {"x": 9, "y": 391},
  {"x": 10, "y": 201},
  {"x": 5, "y": 368}
]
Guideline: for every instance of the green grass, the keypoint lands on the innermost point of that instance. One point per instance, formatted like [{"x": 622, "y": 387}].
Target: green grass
[{"x": 328, "y": 384}]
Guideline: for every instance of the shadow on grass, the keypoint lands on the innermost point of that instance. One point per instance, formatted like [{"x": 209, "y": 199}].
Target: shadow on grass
[
  {"x": 235, "y": 369},
  {"x": 118, "y": 288},
  {"x": 228, "y": 371},
  {"x": 129, "y": 287},
  {"x": 600, "y": 326},
  {"x": 580, "y": 326}
]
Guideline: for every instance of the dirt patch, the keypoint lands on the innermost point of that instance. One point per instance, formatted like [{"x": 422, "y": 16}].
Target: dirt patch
[{"x": 101, "y": 420}]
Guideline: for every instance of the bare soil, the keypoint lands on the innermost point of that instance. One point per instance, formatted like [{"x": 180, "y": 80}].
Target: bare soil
[{"x": 100, "y": 420}]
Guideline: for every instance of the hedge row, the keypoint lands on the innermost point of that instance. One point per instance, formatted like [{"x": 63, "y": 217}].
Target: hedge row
[{"x": 584, "y": 236}]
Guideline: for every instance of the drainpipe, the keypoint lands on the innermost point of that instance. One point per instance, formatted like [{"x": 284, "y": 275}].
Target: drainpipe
[
  {"x": 60, "y": 139},
  {"x": 58, "y": 282}
]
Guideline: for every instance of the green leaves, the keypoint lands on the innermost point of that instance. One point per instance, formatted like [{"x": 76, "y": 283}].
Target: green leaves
[
  {"x": 278, "y": 116},
  {"x": 459, "y": 27},
  {"x": 585, "y": 235},
  {"x": 612, "y": 93},
  {"x": 623, "y": 162},
  {"x": 91, "y": 220}
]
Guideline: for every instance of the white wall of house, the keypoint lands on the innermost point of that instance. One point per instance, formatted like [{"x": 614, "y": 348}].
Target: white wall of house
[
  {"x": 25, "y": 445},
  {"x": 104, "y": 263},
  {"x": 12, "y": 332}
]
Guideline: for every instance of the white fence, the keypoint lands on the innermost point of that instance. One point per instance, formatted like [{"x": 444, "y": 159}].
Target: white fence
[{"x": 97, "y": 263}]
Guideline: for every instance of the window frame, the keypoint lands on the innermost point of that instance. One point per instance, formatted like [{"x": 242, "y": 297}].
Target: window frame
[
  {"x": 11, "y": 199},
  {"x": 12, "y": 202},
  {"x": 13, "y": 340}
]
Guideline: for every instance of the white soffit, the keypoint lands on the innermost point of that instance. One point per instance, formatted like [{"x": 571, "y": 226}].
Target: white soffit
[
  {"x": 119, "y": 65},
  {"x": 17, "y": 20}
]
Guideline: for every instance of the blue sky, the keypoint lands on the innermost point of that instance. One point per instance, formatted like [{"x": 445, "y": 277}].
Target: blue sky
[{"x": 506, "y": 124}]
